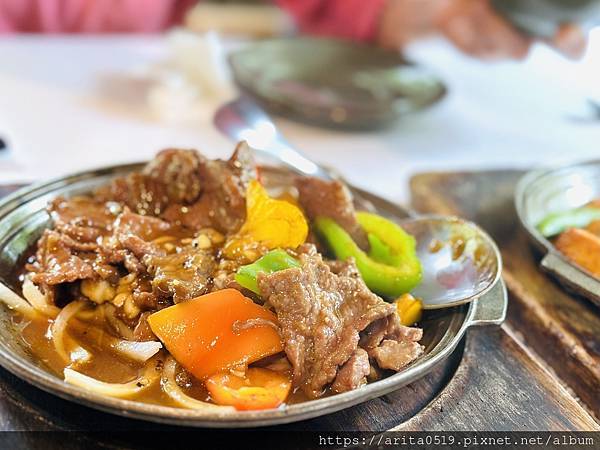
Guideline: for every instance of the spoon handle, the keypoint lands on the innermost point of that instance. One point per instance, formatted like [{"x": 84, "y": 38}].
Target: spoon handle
[
  {"x": 242, "y": 119},
  {"x": 295, "y": 160}
]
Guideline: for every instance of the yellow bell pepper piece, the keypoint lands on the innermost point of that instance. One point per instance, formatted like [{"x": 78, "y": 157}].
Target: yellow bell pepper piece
[
  {"x": 270, "y": 224},
  {"x": 409, "y": 309}
]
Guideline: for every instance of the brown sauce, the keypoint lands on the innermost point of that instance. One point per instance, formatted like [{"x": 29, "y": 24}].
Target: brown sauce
[{"x": 106, "y": 366}]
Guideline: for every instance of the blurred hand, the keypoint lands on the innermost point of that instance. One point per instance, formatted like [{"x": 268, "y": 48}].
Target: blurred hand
[
  {"x": 570, "y": 40},
  {"x": 472, "y": 25}
]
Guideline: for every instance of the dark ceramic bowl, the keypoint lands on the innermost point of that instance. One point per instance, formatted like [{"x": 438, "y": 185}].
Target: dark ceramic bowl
[{"x": 334, "y": 83}]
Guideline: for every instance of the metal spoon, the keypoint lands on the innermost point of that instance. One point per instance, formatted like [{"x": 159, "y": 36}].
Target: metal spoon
[
  {"x": 243, "y": 120},
  {"x": 460, "y": 261}
]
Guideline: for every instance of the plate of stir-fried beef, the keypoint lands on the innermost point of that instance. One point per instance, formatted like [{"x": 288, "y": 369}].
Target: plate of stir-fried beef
[{"x": 214, "y": 292}]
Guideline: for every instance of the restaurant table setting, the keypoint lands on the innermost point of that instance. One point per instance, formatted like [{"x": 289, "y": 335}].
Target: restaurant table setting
[{"x": 429, "y": 139}]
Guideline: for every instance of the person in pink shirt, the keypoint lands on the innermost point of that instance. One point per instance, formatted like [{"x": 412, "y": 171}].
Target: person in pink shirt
[{"x": 472, "y": 25}]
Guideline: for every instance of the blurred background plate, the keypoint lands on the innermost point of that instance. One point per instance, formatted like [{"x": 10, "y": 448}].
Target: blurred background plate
[
  {"x": 546, "y": 191},
  {"x": 334, "y": 83}
]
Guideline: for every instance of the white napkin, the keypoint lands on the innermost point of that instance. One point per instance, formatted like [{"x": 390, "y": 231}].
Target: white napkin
[{"x": 193, "y": 81}]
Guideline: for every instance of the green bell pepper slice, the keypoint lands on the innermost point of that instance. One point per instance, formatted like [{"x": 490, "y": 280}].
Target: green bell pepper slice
[
  {"x": 391, "y": 268},
  {"x": 273, "y": 261},
  {"x": 389, "y": 243},
  {"x": 556, "y": 223}
]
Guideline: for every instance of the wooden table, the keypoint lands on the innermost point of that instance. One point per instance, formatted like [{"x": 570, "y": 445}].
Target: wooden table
[{"x": 538, "y": 371}]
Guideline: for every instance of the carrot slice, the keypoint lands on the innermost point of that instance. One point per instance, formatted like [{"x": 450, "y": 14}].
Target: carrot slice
[
  {"x": 581, "y": 247},
  {"x": 258, "y": 389},
  {"x": 594, "y": 227},
  {"x": 216, "y": 332}
]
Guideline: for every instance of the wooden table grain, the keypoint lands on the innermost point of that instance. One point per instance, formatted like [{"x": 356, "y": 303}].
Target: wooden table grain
[{"x": 538, "y": 371}]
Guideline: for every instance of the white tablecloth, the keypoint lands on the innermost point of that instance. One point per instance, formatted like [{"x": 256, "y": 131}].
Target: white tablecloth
[{"x": 68, "y": 103}]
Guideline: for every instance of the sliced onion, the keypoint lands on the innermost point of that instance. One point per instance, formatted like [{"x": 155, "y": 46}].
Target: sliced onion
[
  {"x": 134, "y": 350},
  {"x": 119, "y": 326},
  {"x": 38, "y": 300},
  {"x": 138, "y": 351},
  {"x": 17, "y": 303},
  {"x": 149, "y": 376},
  {"x": 60, "y": 325},
  {"x": 172, "y": 389},
  {"x": 80, "y": 355},
  {"x": 93, "y": 315}
]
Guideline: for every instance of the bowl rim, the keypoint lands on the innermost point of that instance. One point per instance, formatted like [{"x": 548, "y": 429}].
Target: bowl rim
[
  {"x": 49, "y": 382},
  {"x": 527, "y": 181}
]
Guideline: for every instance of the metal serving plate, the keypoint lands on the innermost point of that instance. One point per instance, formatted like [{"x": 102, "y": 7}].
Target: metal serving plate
[
  {"x": 22, "y": 219},
  {"x": 546, "y": 191},
  {"x": 334, "y": 83}
]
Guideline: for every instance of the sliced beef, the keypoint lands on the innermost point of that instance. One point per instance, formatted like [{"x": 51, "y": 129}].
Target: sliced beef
[
  {"x": 353, "y": 374},
  {"x": 222, "y": 204},
  {"x": 76, "y": 244},
  {"x": 135, "y": 243},
  {"x": 392, "y": 344},
  {"x": 183, "y": 275},
  {"x": 242, "y": 165},
  {"x": 145, "y": 300},
  {"x": 140, "y": 192},
  {"x": 173, "y": 176},
  {"x": 56, "y": 262},
  {"x": 394, "y": 355},
  {"x": 83, "y": 219},
  {"x": 135, "y": 233},
  {"x": 330, "y": 199},
  {"x": 116, "y": 228},
  {"x": 179, "y": 171},
  {"x": 388, "y": 328},
  {"x": 320, "y": 314},
  {"x": 111, "y": 254},
  {"x": 142, "y": 331},
  {"x": 105, "y": 270}
]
